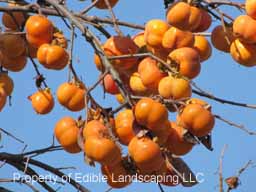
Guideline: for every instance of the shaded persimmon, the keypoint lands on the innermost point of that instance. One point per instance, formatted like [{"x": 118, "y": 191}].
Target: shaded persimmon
[
  {"x": 6, "y": 83},
  {"x": 3, "y": 98},
  {"x": 222, "y": 38},
  {"x": 101, "y": 4},
  {"x": 114, "y": 175},
  {"x": 205, "y": 22},
  {"x": 14, "y": 64}
]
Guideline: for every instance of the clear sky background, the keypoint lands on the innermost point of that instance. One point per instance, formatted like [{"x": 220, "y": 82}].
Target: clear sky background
[{"x": 220, "y": 75}]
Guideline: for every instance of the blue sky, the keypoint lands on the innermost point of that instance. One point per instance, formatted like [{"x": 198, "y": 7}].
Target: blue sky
[{"x": 220, "y": 75}]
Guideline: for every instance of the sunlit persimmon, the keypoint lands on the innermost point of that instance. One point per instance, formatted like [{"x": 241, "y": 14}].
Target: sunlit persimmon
[
  {"x": 150, "y": 73},
  {"x": 198, "y": 120},
  {"x": 39, "y": 30},
  {"x": 120, "y": 98},
  {"x": 72, "y": 96},
  {"x": 139, "y": 39},
  {"x": 175, "y": 38},
  {"x": 95, "y": 128},
  {"x": 243, "y": 53},
  {"x": 42, "y": 101},
  {"x": 203, "y": 47},
  {"x": 67, "y": 132},
  {"x": 52, "y": 56},
  {"x": 174, "y": 88},
  {"x": 137, "y": 85},
  {"x": 146, "y": 154},
  {"x": 183, "y": 16},
  {"x": 176, "y": 143},
  {"x": 120, "y": 45},
  {"x": 186, "y": 61},
  {"x": 150, "y": 113},
  {"x": 250, "y": 8},
  {"x": 102, "y": 150},
  {"x": 244, "y": 28},
  {"x": 154, "y": 32},
  {"x": 124, "y": 123},
  {"x": 110, "y": 85}
]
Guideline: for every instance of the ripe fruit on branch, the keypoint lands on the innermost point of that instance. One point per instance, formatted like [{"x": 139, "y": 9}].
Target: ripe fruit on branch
[
  {"x": 136, "y": 85},
  {"x": 114, "y": 174},
  {"x": 110, "y": 85},
  {"x": 244, "y": 28},
  {"x": 174, "y": 88},
  {"x": 150, "y": 113},
  {"x": 203, "y": 47},
  {"x": 124, "y": 126},
  {"x": 198, "y": 120},
  {"x": 150, "y": 73},
  {"x": 102, "y": 5},
  {"x": 42, "y": 101},
  {"x": 139, "y": 39},
  {"x": 6, "y": 83},
  {"x": 52, "y": 56},
  {"x": 66, "y": 131},
  {"x": 120, "y": 98},
  {"x": 200, "y": 102},
  {"x": 118, "y": 45},
  {"x": 243, "y": 53},
  {"x": 175, "y": 38},
  {"x": 12, "y": 45},
  {"x": 3, "y": 98},
  {"x": 72, "y": 95},
  {"x": 186, "y": 61},
  {"x": 13, "y": 23},
  {"x": 146, "y": 154},
  {"x": 39, "y": 30},
  {"x": 154, "y": 32},
  {"x": 14, "y": 64},
  {"x": 250, "y": 8},
  {"x": 175, "y": 143},
  {"x": 95, "y": 128},
  {"x": 184, "y": 16},
  {"x": 102, "y": 150},
  {"x": 222, "y": 38},
  {"x": 205, "y": 23}
]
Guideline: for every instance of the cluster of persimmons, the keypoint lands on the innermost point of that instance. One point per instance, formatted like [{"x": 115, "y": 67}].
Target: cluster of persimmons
[{"x": 144, "y": 128}]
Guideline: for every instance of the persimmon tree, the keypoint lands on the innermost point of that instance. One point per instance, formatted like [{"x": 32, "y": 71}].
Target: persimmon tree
[{"x": 151, "y": 73}]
